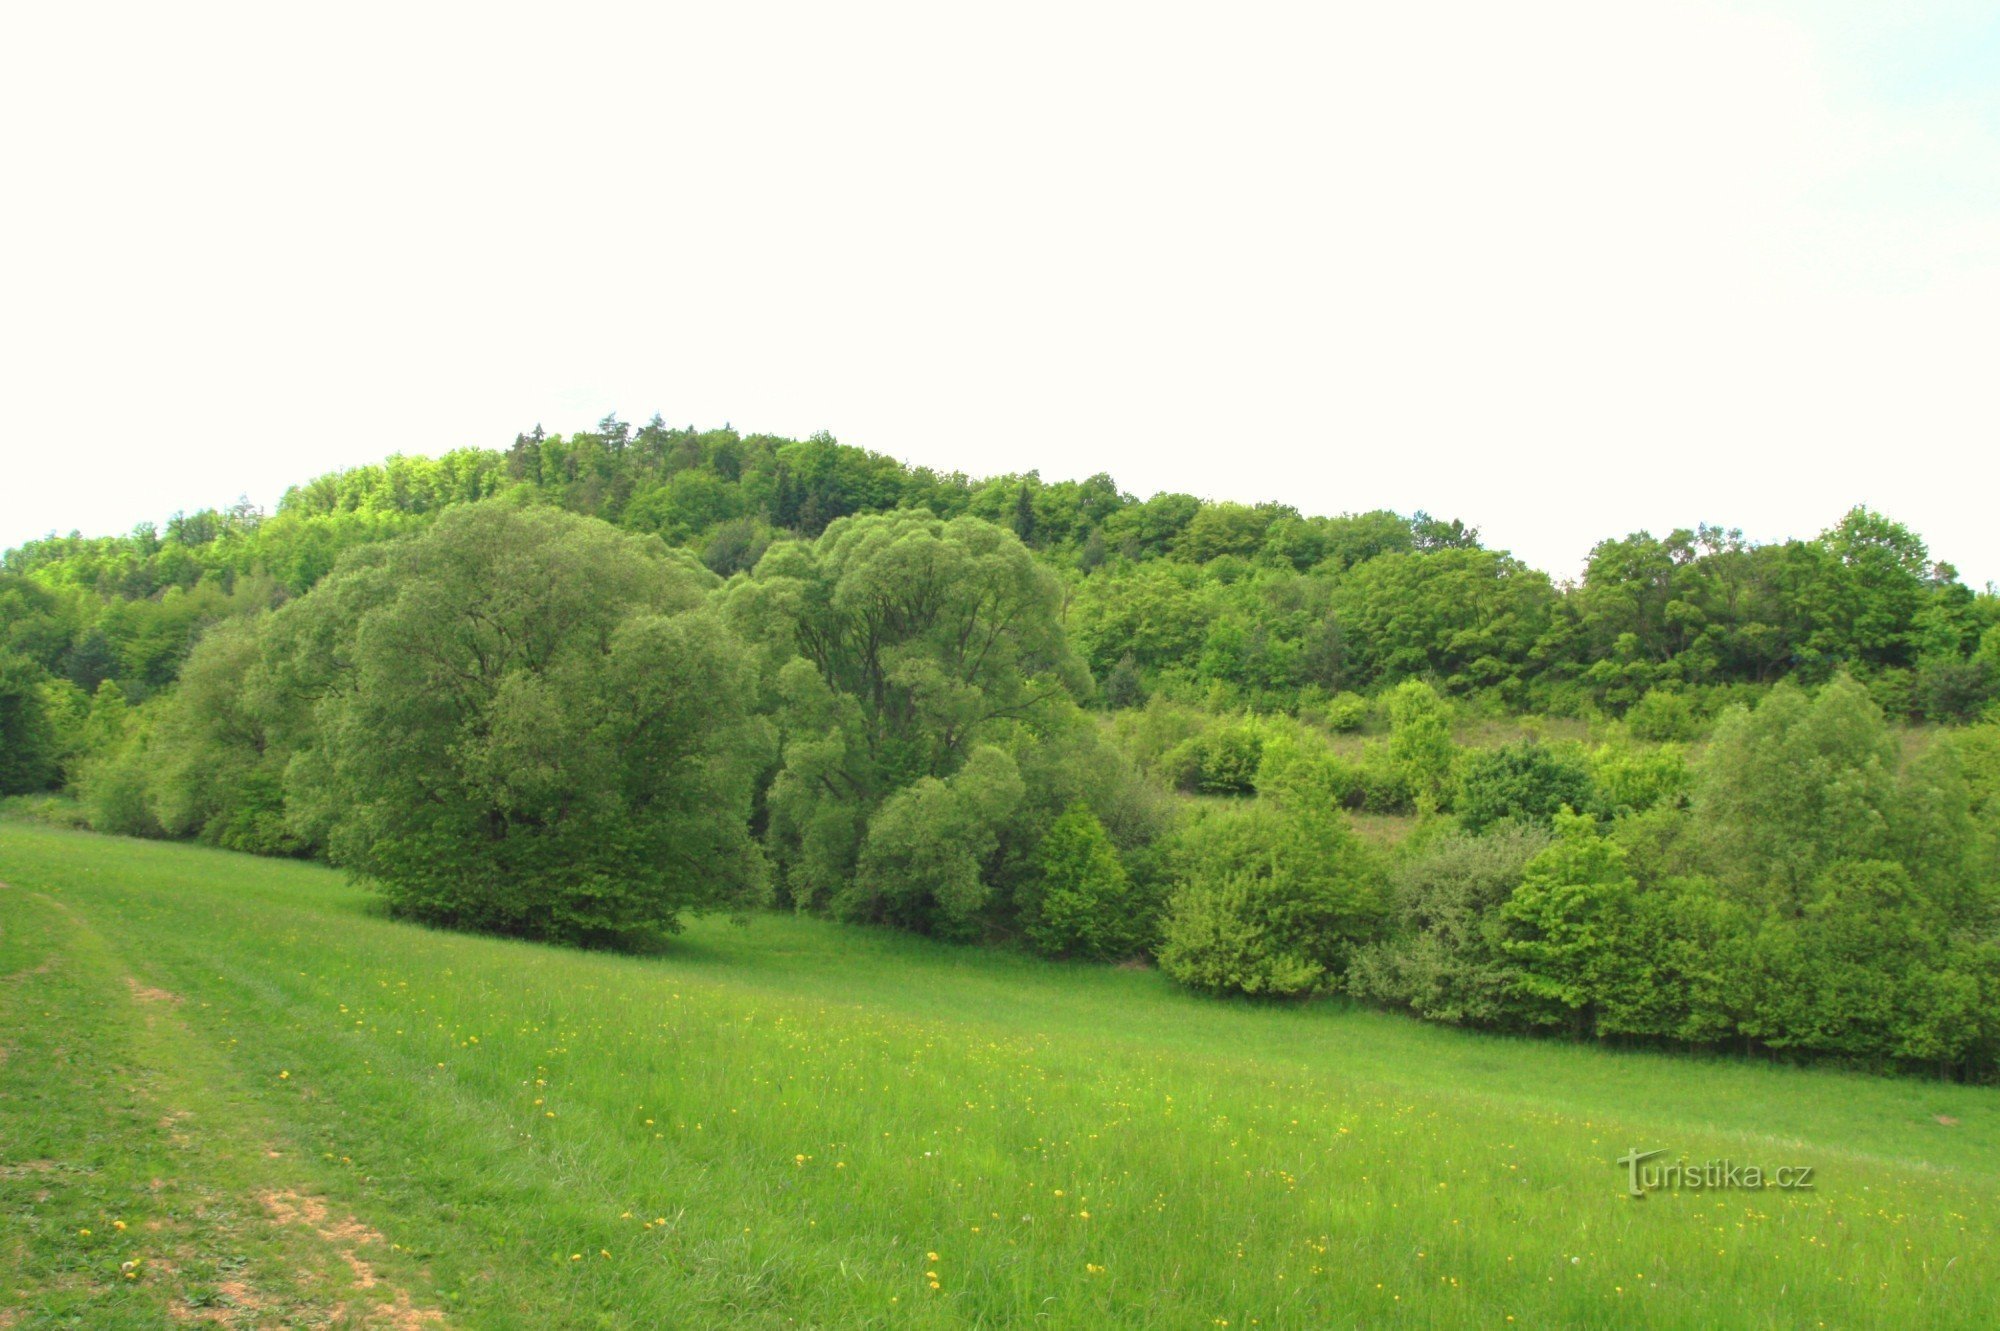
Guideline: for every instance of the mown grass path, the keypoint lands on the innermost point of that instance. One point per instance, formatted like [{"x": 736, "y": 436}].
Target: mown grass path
[
  {"x": 303, "y": 1115},
  {"x": 140, "y": 1182}
]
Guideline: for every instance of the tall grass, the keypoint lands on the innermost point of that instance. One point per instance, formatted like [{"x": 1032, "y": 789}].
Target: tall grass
[{"x": 798, "y": 1123}]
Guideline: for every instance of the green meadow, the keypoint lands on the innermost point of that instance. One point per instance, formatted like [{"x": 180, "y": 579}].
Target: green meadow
[{"x": 232, "y": 1094}]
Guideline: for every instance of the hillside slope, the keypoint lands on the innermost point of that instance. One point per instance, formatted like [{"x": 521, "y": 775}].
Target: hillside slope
[{"x": 284, "y": 1109}]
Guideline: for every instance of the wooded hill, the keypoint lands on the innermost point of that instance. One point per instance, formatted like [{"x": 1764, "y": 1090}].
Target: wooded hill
[{"x": 572, "y": 689}]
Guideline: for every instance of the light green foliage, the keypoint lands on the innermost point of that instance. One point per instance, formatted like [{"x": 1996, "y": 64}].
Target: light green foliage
[
  {"x": 1662, "y": 716},
  {"x": 1062, "y": 765},
  {"x": 1124, "y": 687},
  {"x": 1271, "y": 607},
  {"x": 1271, "y": 898},
  {"x": 1157, "y": 614},
  {"x": 1631, "y": 778},
  {"x": 1084, "y": 907},
  {"x": 1149, "y": 734},
  {"x": 1442, "y": 957},
  {"x": 902, "y": 621},
  {"x": 900, "y": 643},
  {"x": 1224, "y": 529},
  {"x": 114, "y": 781},
  {"x": 1420, "y": 743},
  {"x": 67, "y": 709},
  {"x": 1935, "y": 837},
  {"x": 1683, "y": 967},
  {"x": 1220, "y": 937},
  {"x": 1346, "y": 712},
  {"x": 1864, "y": 973},
  {"x": 532, "y": 725},
  {"x": 1794, "y": 785},
  {"x": 1564, "y": 922},
  {"x": 1469, "y": 615},
  {"x": 216, "y": 772},
  {"x": 1528, "y": 782},
  {"x": 921, "y": 863},
  {"x": 1222, "y": 761}
]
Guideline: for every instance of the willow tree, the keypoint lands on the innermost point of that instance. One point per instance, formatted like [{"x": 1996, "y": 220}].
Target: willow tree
[
  {"x": 527, "y": 722},
  {"x": 899, "y": 645}
]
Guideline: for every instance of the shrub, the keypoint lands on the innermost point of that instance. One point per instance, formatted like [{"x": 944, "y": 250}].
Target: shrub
[
  {"x": 217, "y": 772},
  {"x": 1219, "y": 938},
  {"x": 1420, "y": 743},
  {"x": 1565, "y": 923},
  {"x": 1661, "y": 716},
  {"x": 1269, "y": 900},
  {"x": 1526, "y": 782},
  {"x": 113, "y": 788},
  {"x": 1084, "y": 905},
  {"x": 1346, "y": 712},
  {"x": 1894, "y": 690},
  {"x": 1684, "y": 969},
  {"x": 1794, "y": 785},
  {"x": 1443, "y": 959},
  {"x": 1864, "y": 973},
  {"x": 28, "y": 741},
  {"x": 1631, "y": 779},
  {"x": 1223, "y": 761},
  {"x": 1124, "y": 687},
  {"x": 1229, "y": 760},
  {"x": 1956, "y": 691},
  {"x": 920, "y": 867}
]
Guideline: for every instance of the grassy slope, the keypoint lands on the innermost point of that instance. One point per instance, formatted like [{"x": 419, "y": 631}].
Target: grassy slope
[{"x": 777, "y": 1125}]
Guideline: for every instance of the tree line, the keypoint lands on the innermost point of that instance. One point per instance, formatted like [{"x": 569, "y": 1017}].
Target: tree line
[
  {"x": 577, "y": 688},
  {"x": 1213, "y": 603}
]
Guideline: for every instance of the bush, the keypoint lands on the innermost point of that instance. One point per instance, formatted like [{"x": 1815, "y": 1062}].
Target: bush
[
  {"x": 1123, "y": 686},
  {"x": 1954, "y": 691},
  {"x": 1566, "y": 923},
  {"x": 1864, "y": 973},
  {"x": 1084, "y": 905},
  {"x": 217, "y": 772},
  {"x": 1894, "y": 690},
  {"x": 1685, "y": 969},
  {"x": 113, "y": 789},
  {"x": 1526, "y": 782},
  {"x": 28, "y": 741},
  {"x": 1662, "y": 716},
  {"x": 1420, "y": 743},
  {"x": 921, "y": 866},
  {"x": 1792, "y": 786},
  {"x": 1269, "y": 900},
  {"x": 1346, "y": 712},
  {"x": 1442, "y": 959},
  {"x": 1223, "y": 761},
  {"x": 1631, "y": 779},
  {"x": 1219, "y": 938}
]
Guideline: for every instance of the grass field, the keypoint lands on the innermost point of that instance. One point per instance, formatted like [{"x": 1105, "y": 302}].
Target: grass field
[{"x": 230, "y": 1094}]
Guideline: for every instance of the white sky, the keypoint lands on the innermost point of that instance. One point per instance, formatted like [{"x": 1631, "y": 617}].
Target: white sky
[{"x": 1563, "y": 270}]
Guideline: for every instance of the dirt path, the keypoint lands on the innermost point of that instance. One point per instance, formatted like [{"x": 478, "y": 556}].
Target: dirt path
[{"x": 140, "y": 1185}]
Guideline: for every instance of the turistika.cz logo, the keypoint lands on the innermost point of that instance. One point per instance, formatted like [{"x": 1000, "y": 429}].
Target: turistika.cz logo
[{"x": 1642, "y": 1177}]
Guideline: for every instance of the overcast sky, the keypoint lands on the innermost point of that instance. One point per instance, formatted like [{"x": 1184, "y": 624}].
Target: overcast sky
[{"x": 1563, "y": 270}]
